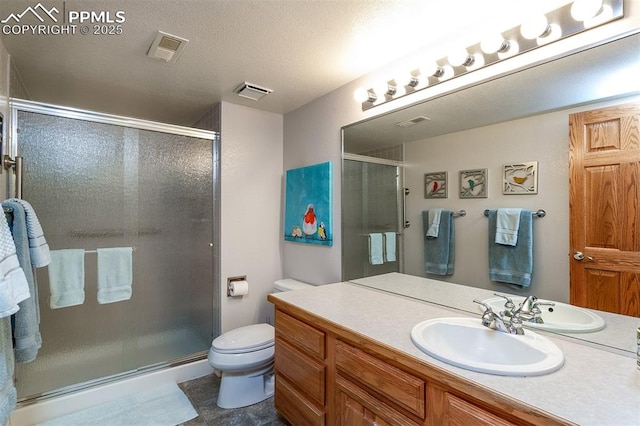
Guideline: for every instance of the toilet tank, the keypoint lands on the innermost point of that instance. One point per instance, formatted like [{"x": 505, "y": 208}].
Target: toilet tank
[{"x": 288, "y": 284}]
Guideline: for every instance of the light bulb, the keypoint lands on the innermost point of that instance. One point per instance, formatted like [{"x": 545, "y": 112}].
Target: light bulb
[
  {"x": 605, "y": 15},
  {"x": 494, "y": 43},
  {"x": 535, "y": 27},
  {"x": 514, "y": 49},
  {"x": 362, "y": 95},
  {"x": 404, "y": 78},
  {"x": 554, "y": 33},
  {"x": 430, "y": 69},
  {"x": 582, "y": 10},
  {"x": 383, "y": 89},
  {"x": 478, "y": 62},
  {"x": 447, "y": 73},
  {"x": 460, "y": 57}
]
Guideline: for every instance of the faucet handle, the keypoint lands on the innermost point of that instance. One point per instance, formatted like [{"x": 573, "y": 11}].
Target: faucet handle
[
  {"x": 509, "y": 305},
  {"x": 487, "y": 307}
]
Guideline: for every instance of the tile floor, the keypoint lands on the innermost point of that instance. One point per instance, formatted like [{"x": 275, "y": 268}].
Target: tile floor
[{"x": 202, "y": 393}]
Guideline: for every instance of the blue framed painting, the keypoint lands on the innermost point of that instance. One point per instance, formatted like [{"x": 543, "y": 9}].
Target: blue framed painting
[{"x": 308, "y": 205}]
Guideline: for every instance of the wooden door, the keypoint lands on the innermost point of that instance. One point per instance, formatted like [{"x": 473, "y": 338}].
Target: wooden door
[{"x": 604, "y": 173}]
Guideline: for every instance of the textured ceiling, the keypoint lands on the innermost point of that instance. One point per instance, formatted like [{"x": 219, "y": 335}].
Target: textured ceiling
[{"x": 302, "y": 49}]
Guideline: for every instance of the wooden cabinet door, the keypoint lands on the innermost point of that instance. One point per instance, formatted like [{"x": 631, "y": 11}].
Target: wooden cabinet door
[{"x": 604, "y": 173}]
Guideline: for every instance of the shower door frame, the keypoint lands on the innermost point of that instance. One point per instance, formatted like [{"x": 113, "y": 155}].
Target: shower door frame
[{"x": 10, "y": 148}]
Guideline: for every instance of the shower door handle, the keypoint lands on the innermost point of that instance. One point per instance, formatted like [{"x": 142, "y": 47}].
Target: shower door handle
[
  {"x": 17, "y": 165},
  {"x": 405, "y": 222}
]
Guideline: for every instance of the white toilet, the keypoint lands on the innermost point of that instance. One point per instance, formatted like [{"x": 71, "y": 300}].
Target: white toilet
[{"x": 244, "y": 356}]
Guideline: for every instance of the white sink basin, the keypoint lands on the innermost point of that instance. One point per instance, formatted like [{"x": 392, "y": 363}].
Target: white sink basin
[
  {"x": 466, "y": 343},
  {"x": 562, "y": 318}
]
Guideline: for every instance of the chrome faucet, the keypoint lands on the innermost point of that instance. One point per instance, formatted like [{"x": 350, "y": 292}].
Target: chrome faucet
[
  {"x": 500, "y": 322},
  {"x": 528, "y": 310}
]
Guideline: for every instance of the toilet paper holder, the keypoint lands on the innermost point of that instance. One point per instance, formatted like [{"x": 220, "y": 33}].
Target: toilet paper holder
[{"x": 232, "y": 280}]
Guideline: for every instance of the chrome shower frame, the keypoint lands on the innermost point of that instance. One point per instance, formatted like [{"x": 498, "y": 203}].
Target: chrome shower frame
[{"x": 10, "y": 160}]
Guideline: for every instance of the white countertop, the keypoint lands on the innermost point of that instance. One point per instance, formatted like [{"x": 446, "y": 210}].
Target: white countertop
[{"x": 594, "y": 387}]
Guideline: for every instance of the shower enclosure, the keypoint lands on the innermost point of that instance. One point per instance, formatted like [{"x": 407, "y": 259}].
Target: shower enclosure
[
  {"x": 98, "y": 181},
  {"x": 371, "y": 203}
]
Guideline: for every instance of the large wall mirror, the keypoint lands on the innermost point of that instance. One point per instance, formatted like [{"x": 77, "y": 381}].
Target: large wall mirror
[{"x": 518, "y": 118}]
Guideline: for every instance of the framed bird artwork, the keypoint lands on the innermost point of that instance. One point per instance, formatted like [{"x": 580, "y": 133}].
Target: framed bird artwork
[
  {"x": 520, "y": 178},
  {"x": 435, "y": 185},
  {"x": 308, "y": 205},
  {"x": 473, "y": 183}
]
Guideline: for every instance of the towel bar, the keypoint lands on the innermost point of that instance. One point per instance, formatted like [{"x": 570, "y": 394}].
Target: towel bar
[
  {"x": 96, "y": 251},
  {"x": 461, "y": 213},
  {"x": 537, "y": 213}
]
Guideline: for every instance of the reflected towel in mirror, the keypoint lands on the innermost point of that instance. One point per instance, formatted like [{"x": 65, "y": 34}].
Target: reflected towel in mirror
[{"x": 375, "y": 249}]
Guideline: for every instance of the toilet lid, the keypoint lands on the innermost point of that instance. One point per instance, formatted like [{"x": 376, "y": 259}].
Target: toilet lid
[{"x": 245, "y": 339}]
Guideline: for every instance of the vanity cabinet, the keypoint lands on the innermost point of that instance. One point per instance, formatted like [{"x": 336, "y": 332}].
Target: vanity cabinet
[
  {"x": 329, "y": 375},
  {"x": 300, "y": 393}
]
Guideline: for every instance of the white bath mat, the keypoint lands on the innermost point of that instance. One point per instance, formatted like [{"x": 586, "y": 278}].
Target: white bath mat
[{"x": 164, "y": 406}]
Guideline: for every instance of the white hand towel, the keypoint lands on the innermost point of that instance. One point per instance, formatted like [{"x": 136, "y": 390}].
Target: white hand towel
[
  {"x": 390, "y": 246},
  {"x": 507, "y": 225},
  {"x": 38, "y": 247},
  {"x": 115, "y": 274},
  {"x": 66, "y": 278},
  {"x": 14, "y": 287},
  {"x": 434, "y": 223},
  {"x": 375, "y": 249}
]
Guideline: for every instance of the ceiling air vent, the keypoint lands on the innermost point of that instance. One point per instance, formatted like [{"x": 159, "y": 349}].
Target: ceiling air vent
[
  {"x": 412, "y": 121},
  {"x": 167, "y": 47},
  {"x": 251, "y": 91}
]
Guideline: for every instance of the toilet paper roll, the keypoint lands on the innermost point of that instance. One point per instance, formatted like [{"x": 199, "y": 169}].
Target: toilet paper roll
[{"x": 238, "y": 288}]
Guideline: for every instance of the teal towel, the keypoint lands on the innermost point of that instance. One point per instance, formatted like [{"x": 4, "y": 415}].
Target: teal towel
[
  {"x": 389, "y": 246},
  {"x": 26, "y": 322},
  {"x": 439, "y": 253},
  {"x": 115, "y": 274},
  {"x": 375, "y": 249},
  {"x": 66, "y": 278},
  {"x": 512, "y": 264}
]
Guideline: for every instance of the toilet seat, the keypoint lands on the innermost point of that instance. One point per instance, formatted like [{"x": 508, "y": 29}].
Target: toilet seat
[
  {"x": 241, "y": 361},
  {"x": 246, "y": 339}
]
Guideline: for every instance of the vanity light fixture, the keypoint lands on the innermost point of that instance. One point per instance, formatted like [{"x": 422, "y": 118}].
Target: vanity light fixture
[{"x": 567, "y": 20}]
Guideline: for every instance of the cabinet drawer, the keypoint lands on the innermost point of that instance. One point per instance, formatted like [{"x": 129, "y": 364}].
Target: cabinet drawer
[
  {"x": 300, "y": 334},
  {"x": 357, "y": 407},
  {"x": 295, "y": 407},
  {"x": 307, "y": 373},
  {"x": 399, "y": 386},
  {"x": 461, "y": 412}
]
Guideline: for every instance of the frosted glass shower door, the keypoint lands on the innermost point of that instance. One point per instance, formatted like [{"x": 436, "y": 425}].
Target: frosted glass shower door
[
  {"x": 370, "y": 204},
  {"x": 96, "y": 185}
]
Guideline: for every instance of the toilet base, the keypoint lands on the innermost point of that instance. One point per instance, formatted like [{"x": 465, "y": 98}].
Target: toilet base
[{"x": 239, "y": 389}]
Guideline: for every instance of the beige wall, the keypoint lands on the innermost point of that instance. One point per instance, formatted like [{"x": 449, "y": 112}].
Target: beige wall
[{"x": 251, "y": 177}]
